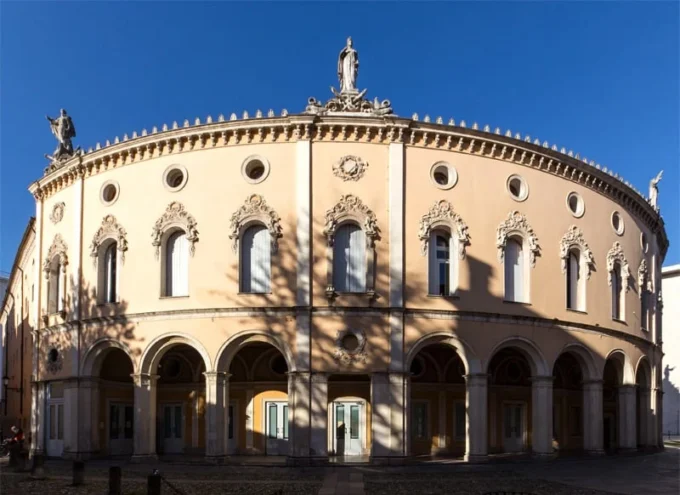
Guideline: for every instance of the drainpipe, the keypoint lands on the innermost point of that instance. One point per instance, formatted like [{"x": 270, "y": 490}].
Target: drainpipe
[{"x": 21, "y": 375}]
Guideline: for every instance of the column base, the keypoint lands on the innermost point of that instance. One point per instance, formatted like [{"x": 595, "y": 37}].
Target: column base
[
  {"x": 476, "y": 458},
  {"x": 143, "y": 458}
]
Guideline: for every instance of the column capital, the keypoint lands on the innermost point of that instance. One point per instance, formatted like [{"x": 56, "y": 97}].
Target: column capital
[
  {"x": 216, "y": 375},
  {"x": 144, "y": 379},
  {"x": 627, "y": 387},
  {"x": 318, "y": 377},
  {"x": 477, "y": 378}
]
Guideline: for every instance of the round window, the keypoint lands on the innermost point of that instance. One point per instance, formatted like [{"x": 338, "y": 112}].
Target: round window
[
  {"x": 617, "y": 223},
  {"x": 643, "y": 242},
  {"x": 53, "y": 356},
  {"x": 517, "y": 187},
  {"x": 443, "y": 175},
  {"x": 350, "y": 342},
  {"x": 109, "y": 193},
  {"x": 575, "y": 204},
  {"x": 255, "y": 169},
  {"x": 278, "y": 365},
  {"x": 175, "y": 178}
]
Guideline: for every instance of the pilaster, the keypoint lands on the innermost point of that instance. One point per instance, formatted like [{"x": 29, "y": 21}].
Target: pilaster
[
  {"x": 388, "y": 404},
  {"x": 88, "y": 435},
  {"x": 216, "y": 400},
  {"x": 71, "y": 419},
  {"x": 476, "y": 440},
  {"x": 38, "y": 418},
  {"x": 319, "y": 413},
  {"x": 299, "y": 415}
]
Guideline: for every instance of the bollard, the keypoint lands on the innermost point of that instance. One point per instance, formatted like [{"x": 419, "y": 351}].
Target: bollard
[
  {"x": 78, "y": 473},
  {"x": 154, "y": 484},
  {"x": 38, "y": 468},
  {"x": 115, "y": 480}
]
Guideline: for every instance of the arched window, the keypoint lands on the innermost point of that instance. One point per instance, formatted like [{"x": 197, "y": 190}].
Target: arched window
[
  {"x": 575, "y": 282},
  {"x": 108, "y": 274},
  {"x": 443, "y": 266},
  {"x": 177, "y": 265},
  {"x": 55, "y": 287},
  {"x": 349, "y": 259},
  {"x": 617, "y": 292},
  {"x": 256, "y": 260},
  {"x": 515, "y": 272}
]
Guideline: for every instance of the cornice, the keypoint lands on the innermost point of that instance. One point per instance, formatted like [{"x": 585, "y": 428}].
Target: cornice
[{"x": 354, "y": 128}]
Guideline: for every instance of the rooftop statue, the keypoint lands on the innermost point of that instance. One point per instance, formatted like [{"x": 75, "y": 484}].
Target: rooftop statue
[
  {"x": 349, "y": 99},
  {"x": 63, "y": 129},
  {"x": 654, "y": 190}
]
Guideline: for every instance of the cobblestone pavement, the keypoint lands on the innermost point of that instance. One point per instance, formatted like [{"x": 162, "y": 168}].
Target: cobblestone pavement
[{"x": 653, "y": 474}]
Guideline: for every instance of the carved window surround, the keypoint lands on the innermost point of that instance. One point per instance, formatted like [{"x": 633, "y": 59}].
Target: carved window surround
[
  {"x": 517, "y": 225},
  {"x": 109, "y": 229},
  {"x": 574, "y": 239},
  {"x": 59, "y": 249},
  {"x": 350, "y": 209},
  {"x": 616, "y": 254},
  {"x": 255, "y": 210},
  {"x": 175, "y": 216},
  {"x": 441, "y": 214}
]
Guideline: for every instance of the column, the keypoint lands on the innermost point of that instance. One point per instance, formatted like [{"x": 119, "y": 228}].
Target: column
[
  {"x": 38, "y": 418},
  {"x": 71, "y": 420},
  {"x": 627, "y": 419},
  {"x": 319, "y": 422},
  {"x": 542, "y": 415},
  {"x": 644, "y": 413},
  {"x": 216, "y": 400},
  {"x": 250, "y": 411},
  {"x": 388, "y": 391},
  {"x": 593, "y": 435},
  {"x": 476, "y": 441},
  {"x": 299, "y": 417},
  {"x": 89, "y": 416},
  {"x": 145, "y": 417}
]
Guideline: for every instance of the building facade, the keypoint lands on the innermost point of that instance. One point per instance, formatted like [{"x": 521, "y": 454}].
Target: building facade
[
  {"x": 671, "y": 368},
  {"x": 341, "y": 281}
]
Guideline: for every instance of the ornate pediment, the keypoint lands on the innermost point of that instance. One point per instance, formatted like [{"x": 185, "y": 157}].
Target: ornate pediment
[
  {"x": 110, "y": 229},
  {"x": 517, "y": 224},
  {"x": 350, "y": 167},
  {"x": 255, "y": 209},
  {"x": 442, "y": 214},
  {"x": 58, "y": 248},
  {"x": 643, "y": 278},
  {"x": 574, "y": 238},
  {"x": 175, "y": 216},
  {"x": 351, "y": 208},
  {"x": 616, "y": 254}
]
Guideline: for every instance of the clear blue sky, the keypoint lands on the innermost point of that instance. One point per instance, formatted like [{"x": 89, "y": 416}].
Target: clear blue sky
[{"x": 598, "y": 78}]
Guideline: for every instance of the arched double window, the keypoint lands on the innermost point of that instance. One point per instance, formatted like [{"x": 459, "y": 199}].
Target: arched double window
[
  {"x": 55, "y": 286},
  {"x": 176, "y": 265},
  {"x": 575, "y": 281},
  {"x": 619, "y": 273},
  {"x": 577, "y": 263},
  {"x": 108, "y": 252},
  {"x": 255, "y": 276},
  {"x": 349, "y": 259},
  {"x": 443, "y": 264},
  {"x": 617, "y": 292},
  {"x": 108, "y": 273},
  {"x": 516, "y": 284}
]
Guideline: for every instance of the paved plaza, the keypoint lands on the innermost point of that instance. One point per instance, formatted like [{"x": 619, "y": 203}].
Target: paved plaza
[{"x": 634, "y": 474}]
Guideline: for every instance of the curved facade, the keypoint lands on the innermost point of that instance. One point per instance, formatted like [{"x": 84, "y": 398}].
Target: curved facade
[{"x": 342, "y": 282}]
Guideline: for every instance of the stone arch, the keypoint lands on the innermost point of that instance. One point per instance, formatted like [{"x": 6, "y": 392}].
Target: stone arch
[
  {"x": 623, "y": 366},
  {"x": 643, "y": 366},
  {"x": 236, "y": 342},
  {"x": 95, "y": 354},
  {"x": 162, "y": 344},
  {"x": 584, "y": 357},
  {"x": 535, "y": 358},
  {"x": 467, "y": 355}
]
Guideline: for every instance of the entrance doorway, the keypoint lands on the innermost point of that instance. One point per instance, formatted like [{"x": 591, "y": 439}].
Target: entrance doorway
[
  {"x": 173, "y": 422},
  {"x": 121, "y": 417},
  {"x": 514, "y": 431},
  {"x": 276, "y": 427},
  {"x": 348, "y": 421},
  {"x": 55, "y": 434}
]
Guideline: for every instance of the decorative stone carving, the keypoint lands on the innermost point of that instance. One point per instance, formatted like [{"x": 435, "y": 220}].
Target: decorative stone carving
[
  {"x": 346, "y": 355},
  {"x": 351, "y": 207},
  {"x": 58, "y": 248},
  {"x": 349, "y": 99},
  {"x": 57, "y": 213},
  {"x": 616, "y": 254},
  {"x": 517, "y": 223},
  {"x": 255, "y": 209},
  {"x": 574, "y": 238},
  {"x": 643, "y": 278},
  {"x": 441, "y": 213},
  {"x": 350, "y": 167},
  {"x": 175, "y": 216},
  {"x": 110, "y": 229},
  {"x": 55, "y": 359}
]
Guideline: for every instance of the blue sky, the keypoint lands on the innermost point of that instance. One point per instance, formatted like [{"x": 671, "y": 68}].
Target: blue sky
[{"x": 598, "y": 78}]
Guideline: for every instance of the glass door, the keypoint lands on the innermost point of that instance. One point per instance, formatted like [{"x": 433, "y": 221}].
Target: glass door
[
  {"x": 55, "y": 433},
  {"x": 513, "y": 427},
  {"x": 121, "y": 418},
  {"x": 276, "y": 428},
  {"x": 173, "y": 422},
  {"x": 348, "y": 428}
]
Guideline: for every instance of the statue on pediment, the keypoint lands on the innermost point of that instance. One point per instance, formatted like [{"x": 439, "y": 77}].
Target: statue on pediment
[
  {"x": 348, "y": 68},
  {"x": 654, "y": 190},
  {"x": 63, "y": 129}
]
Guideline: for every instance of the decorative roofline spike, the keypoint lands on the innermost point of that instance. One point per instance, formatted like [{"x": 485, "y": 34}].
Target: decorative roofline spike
[
  {"x": 270, "y": 113},
  {"x": 245, "y": 115},
  {"x": 134, "y": 134},
  {"x": 175, "y": 125},
  {"x": 462, "y": 124},
  {"x": 497, "y": 130},
  {"x": 427, "y": 118},
  {"x": 125, "y": 137},
  {"x": 440, "y": 120},
  {"x": 451, "y": 121},
  {"x": 116, "y": 140},
  {"x": 186, "y": 123},
  {"x": 197, "y": 121},
  {"x": 527, "y": 139},
  {"x": 233, "y": 117},
  {"x": 154, "y": 130},
  {"x": 487, "y": 128},
  {"x": 284, "y": 113},
  {"x": 475, "y": 126},
  {"x": 508, "y": 133},
  {"x": 208, "y": 119},
  {"x": 220, "y": 118},
  {"x": 414, "y": 116},
  {"x": 108, "y": 143},
  {"x": 258, "y": 114},
  {"x": 144, "y": 133},
  {"x": 98, "y": 146}
]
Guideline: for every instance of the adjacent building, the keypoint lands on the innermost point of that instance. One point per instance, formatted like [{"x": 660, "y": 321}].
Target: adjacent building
[
  {"x": 341, "y": 281},
  {"x": 671, "y": 359}
]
